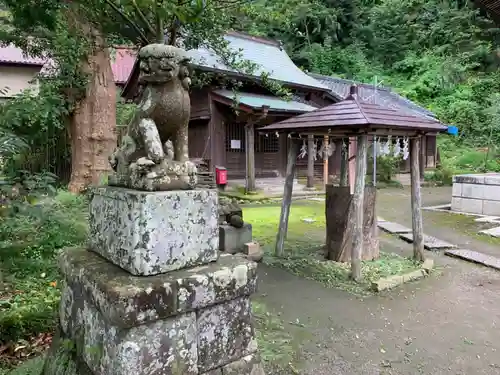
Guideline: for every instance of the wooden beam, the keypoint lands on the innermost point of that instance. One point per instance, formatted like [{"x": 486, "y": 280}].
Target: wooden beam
[
  {"x": 416, "y": 201},
  {"x": 291, "y": 167},
  {"x": 325, "y": 161},
  {"x": 358, "y": 206},
  {"x": 310, "y": 161},
  {"x": 343, "y": 162},
  {"x": 250, "y": 157}
]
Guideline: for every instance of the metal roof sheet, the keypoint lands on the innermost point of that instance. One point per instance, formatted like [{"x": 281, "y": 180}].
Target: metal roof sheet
[
  {"x": 353, "y": 112},
  {"x": 492, "y": 6},
  {"x": 267, "y": 55},
  {"x": 258, "y": 101},
  {"x": 373, "y": 94},
  {"x": 13, "y": 55}
]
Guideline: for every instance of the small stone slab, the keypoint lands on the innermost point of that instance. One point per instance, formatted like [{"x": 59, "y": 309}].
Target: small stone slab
[
  {"x": 430, "y": 243},
  {"x": 494, "y": 232},
  {"x": 232, "y": 239},
  {"x": 393, "y": 228},
  {"x": 475, "y": 257},
  {"x": 127, "y": 301},
  {"x": 249, "y": 365},
  {"x": 488, "y": 219},
  {"x": 396, "y": 280}
]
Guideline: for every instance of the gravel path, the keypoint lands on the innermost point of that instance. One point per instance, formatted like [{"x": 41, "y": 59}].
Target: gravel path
[{"x": 445, "y": 324}]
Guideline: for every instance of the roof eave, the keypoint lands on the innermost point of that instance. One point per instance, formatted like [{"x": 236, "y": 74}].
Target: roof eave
[{"x": 256, "y": 78}]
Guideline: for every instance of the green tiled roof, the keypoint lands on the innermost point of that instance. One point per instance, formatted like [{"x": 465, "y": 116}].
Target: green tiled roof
[
  {"x": 257, "y": 101},
  {"x": 267, "y": 55}
]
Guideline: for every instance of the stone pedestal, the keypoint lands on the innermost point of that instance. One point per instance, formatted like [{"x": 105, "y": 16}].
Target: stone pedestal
[
  {"x": 191, "y": 321},
  {"x": 150, "y": 233}
]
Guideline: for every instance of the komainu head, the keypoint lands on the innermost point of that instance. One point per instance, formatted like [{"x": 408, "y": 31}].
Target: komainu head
[{"x": 160, "y": 63}]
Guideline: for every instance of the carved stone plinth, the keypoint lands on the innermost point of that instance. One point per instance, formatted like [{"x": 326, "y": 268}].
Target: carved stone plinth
[
  {"x": 169, "y": 175},
  {"x": 187, "y": 322},
  {"x": 148, "y": 233}
]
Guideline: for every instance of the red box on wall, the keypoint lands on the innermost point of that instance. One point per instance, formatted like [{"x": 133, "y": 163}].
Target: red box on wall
[{"x": 220, "y": 175}]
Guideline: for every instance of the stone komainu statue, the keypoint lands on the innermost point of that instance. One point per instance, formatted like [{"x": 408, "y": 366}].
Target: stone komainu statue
[{"x": 153, "y": 154}]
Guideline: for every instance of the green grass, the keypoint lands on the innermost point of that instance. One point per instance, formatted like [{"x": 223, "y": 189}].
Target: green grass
[
  {"x": 304, "y": 244},
  {"x": 277, "y": 347},
  {"x": 32, "y": 366}
]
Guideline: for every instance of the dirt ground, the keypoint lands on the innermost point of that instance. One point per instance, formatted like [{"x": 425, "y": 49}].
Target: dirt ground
[{"x": 445, "y": 324}]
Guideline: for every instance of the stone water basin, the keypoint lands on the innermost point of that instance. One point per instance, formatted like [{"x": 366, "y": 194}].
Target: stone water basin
[{"x": 476, "y": 194}]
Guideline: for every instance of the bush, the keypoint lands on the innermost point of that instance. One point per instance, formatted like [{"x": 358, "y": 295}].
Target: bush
[
  {"x": 440, "y": 176},
  {"x": 387, "y": 167},
  {"x": 29, "y": 242}
]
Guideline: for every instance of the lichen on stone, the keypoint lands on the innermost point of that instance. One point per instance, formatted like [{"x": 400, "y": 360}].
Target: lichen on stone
[{"x": 128, "y": 300}]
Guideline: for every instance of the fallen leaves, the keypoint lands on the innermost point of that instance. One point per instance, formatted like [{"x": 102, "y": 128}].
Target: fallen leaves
[{"x": 12, "y": 354}]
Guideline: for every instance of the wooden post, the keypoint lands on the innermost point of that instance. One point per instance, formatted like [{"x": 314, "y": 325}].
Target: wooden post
[
  {"x": 353, "y": 151},
  {"x": 416, "y": 201},
  {"x": 358, "y": 205},
  {"x": 293, "y": 152},
  {"x": 325, "y": 162},
  {"x": 422, "y": 152},
  {"x": 344, "y": 156},
  {"x": 310, "y": 161},
  {"x": 250, "y": 157}
]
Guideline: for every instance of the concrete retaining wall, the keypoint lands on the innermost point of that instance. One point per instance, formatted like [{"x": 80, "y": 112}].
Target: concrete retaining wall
[{"x": 476, "y": 194}]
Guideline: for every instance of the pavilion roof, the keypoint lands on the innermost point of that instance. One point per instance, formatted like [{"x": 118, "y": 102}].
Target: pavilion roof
[{"x": 353, "y": 113}]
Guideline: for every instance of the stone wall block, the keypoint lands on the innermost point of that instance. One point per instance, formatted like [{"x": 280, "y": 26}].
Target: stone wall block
[
  {"x": 249, "y": 365},
  {"x": 127, "y": 301},
  {"x": 225, "y": 334},
  {"x": 166, "y": 346}
]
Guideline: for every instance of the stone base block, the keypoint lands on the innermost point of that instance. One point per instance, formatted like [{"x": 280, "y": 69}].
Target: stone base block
[
  {"x": 185, "y": 322},
  {"x": 249, "y": 365},
  {"x": 232, "y": 240},
  {"x": 148, "y": 233}
]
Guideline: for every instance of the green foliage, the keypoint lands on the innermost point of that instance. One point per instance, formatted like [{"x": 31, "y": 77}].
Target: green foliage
[
  {"x": 440, "y": 54},
  {"x": 29, "y": 242},
  {"x": 387, "y": 167}
]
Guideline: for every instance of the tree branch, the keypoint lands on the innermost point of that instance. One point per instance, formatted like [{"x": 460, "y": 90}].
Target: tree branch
[
  {"x": 143, "y": 18},
  {"x": 160, "y": 37},
  {"x": 129, "y": 21}
]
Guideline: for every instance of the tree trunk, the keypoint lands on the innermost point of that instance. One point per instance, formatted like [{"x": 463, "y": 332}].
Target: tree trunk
[
  {"x": 358, "y": 206},
  {"x": 339, "y": 213},
  {"x": 92, "y": 126}
]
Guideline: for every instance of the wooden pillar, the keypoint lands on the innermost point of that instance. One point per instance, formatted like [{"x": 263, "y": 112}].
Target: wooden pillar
[
  {"x": 325, "y": 162},
  {"x": 422, "y": 153},
  {"x": 250, "y": 157},
  {"x": 353, "y": 150},
  {"x": 416, "y": 201},
  {"x": 358, "y": 205},
  {"x": 310, "y": 161},
  {"x": 291, "y": 167},
  {"x": 344, "y": 160},
  {"x": 283, "y": 150}
]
